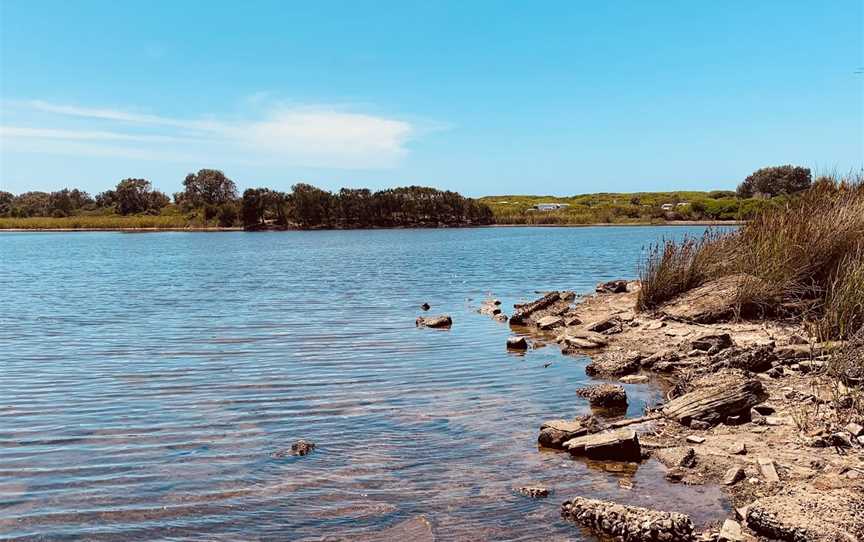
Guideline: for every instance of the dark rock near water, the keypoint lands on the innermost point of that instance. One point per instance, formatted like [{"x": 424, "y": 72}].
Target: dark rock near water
[
  {"x": 299, "y": 448},
  {"x": 615, "y": 445},
  {"x": 604, "y": 395},
  {"x": 517, "y": 343},
  {"x": 628, "y": 523},
  {"x": 425, "y": 306},
  {"x": 612, "y": 287},
  {"x": 714, "y": 403},
  {"x": 442, "y": 321},
  {"x": 554, "y": 433},
  {"x": 535, "y": 492},
  {"x": 712, "y": 342},
  {"x": 614, "y": 364}
]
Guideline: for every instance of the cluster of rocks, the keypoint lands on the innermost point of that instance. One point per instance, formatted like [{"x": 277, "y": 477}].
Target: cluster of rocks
[
  {"x": 551, "y": 311},
  {"x": 492, "y": 308},
  {"x": 628, "y": 523}
]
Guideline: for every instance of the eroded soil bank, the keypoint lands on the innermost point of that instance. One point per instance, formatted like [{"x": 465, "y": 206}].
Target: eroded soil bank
[{"x": 749, "y": 407}]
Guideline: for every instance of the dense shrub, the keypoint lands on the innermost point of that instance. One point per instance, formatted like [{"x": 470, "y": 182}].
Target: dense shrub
[{"x": 772, "y": 181}]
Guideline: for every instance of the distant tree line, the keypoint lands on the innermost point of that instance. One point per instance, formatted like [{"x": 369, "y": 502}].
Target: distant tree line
[
  {"x": 209, "y": 195},
  {"x": 309, "y": 207}
]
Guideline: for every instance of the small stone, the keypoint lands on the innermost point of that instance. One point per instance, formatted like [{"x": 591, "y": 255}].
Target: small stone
[
  {"x": 655, "y": 325},
  {"x": 572, "y": 321},
  {"x": 768, "y": 470},
  {"x": 425, "y": 306},
  {"x": 517, "y": 343},
  {"x": 739, "y": 448},
  {"x": 733, "y": 420},
  {"x": 777, "y": 420},
  {"x": 730, "y": 532},
  {"x": 535, "y": 492},
  {"x": 675, "y": 475},
  {"x": 634, "y": 379},
  {"x": 695, "y": 439},
  {"x": 756, "y": 417},
  {"x": 699, "y": 425},
  {"x": 765, "y": 409},
  {"x": 689, "y": 459},
  {"x": 302, "y": 447},
  {"x": 855, "y": 428},
  {"x": 500, "y": 317},
  {"x": 496, "y": 301},
  {"x": 861, "y": 440},
  {"x": 841, "y": 440},
  {"x": 733, "y": 476},
  {"x": 442, "y": 321}
]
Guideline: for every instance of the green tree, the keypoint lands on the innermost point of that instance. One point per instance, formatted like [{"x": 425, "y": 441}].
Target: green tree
[
  {"x": 773, "y": 181},
  {"x": 207, "y": 187},
  {"x": 6, "y": 199}
]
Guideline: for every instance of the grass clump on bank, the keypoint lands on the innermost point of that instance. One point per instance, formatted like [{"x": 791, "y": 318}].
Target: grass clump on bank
[
  {"x": 99, "y": 222},
  {"x": 805, "y": 257}
]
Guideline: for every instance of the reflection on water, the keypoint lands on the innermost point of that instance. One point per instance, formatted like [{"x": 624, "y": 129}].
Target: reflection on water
[{"x": 147, "y": 380}]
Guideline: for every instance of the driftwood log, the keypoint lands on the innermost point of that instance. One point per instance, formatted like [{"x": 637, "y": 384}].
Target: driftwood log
[{"x": 714, "y": 404}]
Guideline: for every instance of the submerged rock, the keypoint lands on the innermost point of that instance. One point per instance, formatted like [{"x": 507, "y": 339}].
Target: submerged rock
[
  {"x": 517, "y": 343},
  {"x": 604, "y": 395},
  {"x": 441, "y": 321},
  {"x": 299, "y": 448},
  {"x": 535, "y": 492},
  {"x": 628, "y": 523}
]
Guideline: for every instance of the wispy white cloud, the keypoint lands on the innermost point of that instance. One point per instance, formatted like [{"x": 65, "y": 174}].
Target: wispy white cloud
[{"x": 313, "y": 136}]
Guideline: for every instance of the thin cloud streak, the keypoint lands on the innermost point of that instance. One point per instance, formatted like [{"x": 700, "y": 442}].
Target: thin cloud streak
[{"x": 290, "y": 136}]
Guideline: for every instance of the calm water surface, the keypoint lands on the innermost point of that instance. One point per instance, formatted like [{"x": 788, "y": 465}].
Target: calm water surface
[{"x": 147, "y": 379}]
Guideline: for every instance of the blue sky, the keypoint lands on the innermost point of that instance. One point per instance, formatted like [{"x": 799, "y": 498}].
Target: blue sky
[{"x": 481, "y": 97}]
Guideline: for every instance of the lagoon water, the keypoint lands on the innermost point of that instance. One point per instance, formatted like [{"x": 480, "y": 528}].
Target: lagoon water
[{"x": 146, "y": 380}]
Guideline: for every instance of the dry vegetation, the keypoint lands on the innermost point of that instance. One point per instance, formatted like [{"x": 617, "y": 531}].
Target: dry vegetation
[{"x": 804, "y": 259}]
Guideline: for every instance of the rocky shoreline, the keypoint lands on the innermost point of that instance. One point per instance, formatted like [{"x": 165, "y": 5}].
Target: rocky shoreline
[{"x": 748, "y": 408}]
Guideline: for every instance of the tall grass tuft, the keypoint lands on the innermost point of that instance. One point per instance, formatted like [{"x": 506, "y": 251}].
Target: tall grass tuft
[
  {"x": 804, "y": 256},
  {"x": 844, "y": 302},
  {"x": 671, "y": 268}
]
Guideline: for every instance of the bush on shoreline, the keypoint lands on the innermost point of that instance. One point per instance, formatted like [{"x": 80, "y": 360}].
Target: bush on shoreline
[{"x": 806, "y": 255}]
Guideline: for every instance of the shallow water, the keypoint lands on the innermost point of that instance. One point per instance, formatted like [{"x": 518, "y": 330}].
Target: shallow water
[{"x": 147, "y": 379}]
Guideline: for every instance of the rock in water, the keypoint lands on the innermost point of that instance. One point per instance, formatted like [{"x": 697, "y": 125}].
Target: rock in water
[
  {"x": 628, "y": 523},
  {"x": 442, "y": 321},
  {"x": 299, "y": 448},
  {"x": 425, "y": 307},
  {"x": 554, "y": 433},
  {"x": 535, "y": 492},
  {"x": 517, "y": 343},
  {"x": 604, "y": 395},
  {"x": 618, "y": 445}
]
